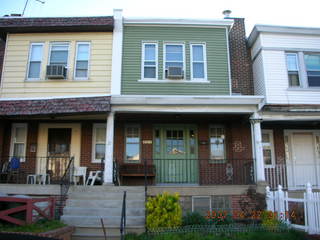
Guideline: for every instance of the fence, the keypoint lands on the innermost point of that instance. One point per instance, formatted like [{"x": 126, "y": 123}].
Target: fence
[{"x": 301, "y": 213}]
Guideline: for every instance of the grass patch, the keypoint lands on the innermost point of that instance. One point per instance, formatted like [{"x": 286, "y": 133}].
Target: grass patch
[{"x": 38, "y": 227}]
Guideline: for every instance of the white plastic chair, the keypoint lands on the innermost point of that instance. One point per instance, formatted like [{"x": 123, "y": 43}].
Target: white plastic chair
[
  {"x": 93, "y": 176},
  {"x": 78, "y": 173}
]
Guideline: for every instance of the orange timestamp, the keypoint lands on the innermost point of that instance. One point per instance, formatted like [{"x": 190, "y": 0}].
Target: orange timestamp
[{"x": 254, "y": 215}]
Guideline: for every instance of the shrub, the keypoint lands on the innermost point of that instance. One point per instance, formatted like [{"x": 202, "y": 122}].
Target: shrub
[
  {"x": 269, "y": 220},
  {"x": 194, "y": 218},
  {"x": 164, "y": 211}
]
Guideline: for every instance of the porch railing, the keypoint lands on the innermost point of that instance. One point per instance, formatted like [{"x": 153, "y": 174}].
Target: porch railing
[
  {"x": 65, "y": 183},
  {"x": 293, "y": 176},
  {"x": 201, "y": 171}
]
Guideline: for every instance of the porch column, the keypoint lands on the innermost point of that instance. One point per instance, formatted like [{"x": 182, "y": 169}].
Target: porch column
[
  {"x": 108, "y": 162},
  {"x": 255, "y": 121}
]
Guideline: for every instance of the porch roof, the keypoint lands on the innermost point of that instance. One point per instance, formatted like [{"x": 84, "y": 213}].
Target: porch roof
[{"x": 54, "y": 106}]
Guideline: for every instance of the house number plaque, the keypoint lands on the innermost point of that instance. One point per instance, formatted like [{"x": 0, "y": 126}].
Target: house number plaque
[{"x": 146, "y": 141}]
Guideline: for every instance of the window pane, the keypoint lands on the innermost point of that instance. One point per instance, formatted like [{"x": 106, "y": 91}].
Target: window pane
[
  {"x": 149, "y": 52},
  {"x": 132, "y": 152},
  {"x": 100, "y": 135},
  {"x": 197, "y": 53},
  {"x": 18, "y": 149},
  {"x": 312, "y": 62},
  {"x": 174, "y": 64},
  {"x": 267, "y": 156},
  {"x": 292, "y": 62},
  {"x": 20, "y": 134},
  {"x": 36, "y": 53},
  {"x": 294, "y": 79},
  {"x": 265, "y": 138},
  {"x": 59, "y": 57},
  {"x": 100, "y": 151},
  {"x": 34, "y": 70},
  {"x": 198, "y": 70},
  {"x": 217, "y": 143},
  {"x": 83, "y": 52},
  {"x": 174, "y": 48},
  {"x": 81, "y": 73},
  {"x": 149, "y": 72},
  {"x": 82, "y": 64},
  {"x": 174, "y": 57}
]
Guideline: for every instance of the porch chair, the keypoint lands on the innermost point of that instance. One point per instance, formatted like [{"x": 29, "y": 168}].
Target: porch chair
[
  {"x": 78, "y": 173},
  {"x": 93, "y": 176}
]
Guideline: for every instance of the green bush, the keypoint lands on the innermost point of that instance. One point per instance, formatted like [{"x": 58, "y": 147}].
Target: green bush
[
  {"x": 38, "y": 227},
  {"x": 194, "y": 218},
  {"x": 269, "y": 220},
  {"x": 163, "y": 211}
]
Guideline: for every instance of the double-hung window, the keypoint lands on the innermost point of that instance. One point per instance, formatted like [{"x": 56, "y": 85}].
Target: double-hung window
[
  {"x": 198, "y": 62},
  {"x": 174, "y": 56},
  {"x": 149, "y": 61},
  {"x": 132, "y": 143},
  {"x": 59, "y": 54},
  {"x": 268, "y": 149},
  {"x": 82, "y": 60},
  {"x": 19, "y": 140},
  {"x": 312, "y": 63},
  {"x": 35, "y": 59},
  {"x": 217, "y": 143},
  {"x": 99, "y": 142},
  {"x": 293, "y": 69}
]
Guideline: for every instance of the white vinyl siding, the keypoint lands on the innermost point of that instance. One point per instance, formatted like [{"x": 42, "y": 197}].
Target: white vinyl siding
[
  {"x": 18, "y": 141},
  {"x": 81, "y": 70},
  {"x": 98, "y": 142},
  {"x": 35, "y": 60}
]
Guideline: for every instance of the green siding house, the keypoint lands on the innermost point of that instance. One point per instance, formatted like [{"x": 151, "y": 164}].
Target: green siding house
[{"x": 149, "y": 52}]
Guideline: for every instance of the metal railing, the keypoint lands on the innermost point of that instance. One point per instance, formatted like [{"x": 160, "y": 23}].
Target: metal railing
[
  {"x": 203, "y": 171},
  {"x": 123, "y": 221},
  {"x": 65, "y": 183}
]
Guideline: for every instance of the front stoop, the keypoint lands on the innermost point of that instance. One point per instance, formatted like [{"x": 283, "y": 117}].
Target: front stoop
[{"x": 86, "y": 205}]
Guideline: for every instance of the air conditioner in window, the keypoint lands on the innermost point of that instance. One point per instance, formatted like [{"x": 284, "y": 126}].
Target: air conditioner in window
[
  {"x": 174, "y": 73},
  {"x": 56, "y": 72}
]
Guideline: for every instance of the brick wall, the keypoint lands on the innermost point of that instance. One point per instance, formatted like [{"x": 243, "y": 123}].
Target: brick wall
[
  {"x": 240, "y": 59},
  {"x": 2, "y": 49}
]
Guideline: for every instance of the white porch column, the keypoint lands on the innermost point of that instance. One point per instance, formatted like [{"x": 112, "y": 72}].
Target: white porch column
[
  {"x": 255, "y": 121},
  {"x": 108, "y": 162}
]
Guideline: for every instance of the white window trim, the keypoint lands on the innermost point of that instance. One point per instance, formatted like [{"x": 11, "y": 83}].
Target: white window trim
[
  {"x": 225, "y": 145},
  {"x": 13, "y": 133},
  {"x": 75, "y": 61},
  {"x": 204, "y": 49},
  {"x": 298, "y": 69},
  {"x": 59, "y": 43},
  {"x": 306, "y": 71},
  {"x": 273, "y": 159},
  {"x": 143, "y": 60},
  {"x": 183, "y": 58},
  {"x": 28, "y": 67},
  {"x": 125, "y": 143},
  {"x": 94, "y": 130}
]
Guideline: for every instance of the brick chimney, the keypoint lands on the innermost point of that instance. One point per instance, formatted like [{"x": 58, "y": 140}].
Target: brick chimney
[{"x": 240, "y": 59}]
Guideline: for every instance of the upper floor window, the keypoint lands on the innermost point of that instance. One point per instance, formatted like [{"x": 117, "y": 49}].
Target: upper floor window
[
  {"x": 198, "y": 61},
  {"x": 132, "y": 143},
  {"x": 217, "y": 143},
  {"x": 293, "y": 69},
  {"x": 174, "y": 56},
  {"x": 149, "y": 61},
  {"x": 312, "y": 62},
  {"x": 82, "y": 60},
  {"x": 268, "y": 149},
  {"x": 35, "y": 59},
  {"x": 19, "y": 140},
  {"x": 59, "y": 54}
]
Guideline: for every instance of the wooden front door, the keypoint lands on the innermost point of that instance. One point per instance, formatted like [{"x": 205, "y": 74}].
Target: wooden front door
[
  {"x": 175, "y": 154},
  {"x": 59, "y": 140}
]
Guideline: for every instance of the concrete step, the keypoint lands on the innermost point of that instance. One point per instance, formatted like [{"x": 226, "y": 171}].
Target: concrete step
[
  {"x": 104, "y": 203},
  {"x": 92, "y": 221},
  {"x": 102, "y": 211},
  {"x": 107, "y": 189},
  {"x": 106, "y": 195}
]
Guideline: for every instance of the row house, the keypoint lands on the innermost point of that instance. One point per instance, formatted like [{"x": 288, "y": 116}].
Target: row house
[{"x": 286, "y": 69}]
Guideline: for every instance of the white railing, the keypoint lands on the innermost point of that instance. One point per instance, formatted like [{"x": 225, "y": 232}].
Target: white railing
[
  {"x": 293, "y": 176},
  {"x": 279, "y": 202}
]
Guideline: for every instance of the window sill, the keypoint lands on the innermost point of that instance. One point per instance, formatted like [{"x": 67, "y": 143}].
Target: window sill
[{"x": 172, "y": 81}]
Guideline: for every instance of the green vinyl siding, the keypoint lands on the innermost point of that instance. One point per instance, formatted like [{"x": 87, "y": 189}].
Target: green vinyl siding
[{"x": 216, "y": 51}]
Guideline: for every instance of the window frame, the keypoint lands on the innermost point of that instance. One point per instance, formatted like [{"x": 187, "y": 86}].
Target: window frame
[
  {"x": 298, "y": 69},
  {"x": 76, "y": 59},
  {"x": 95, "y": 126},
  {"x": 183, "y": 59},
  {"x": 224, "y": 160},
  {"x": 273, "y": 159},
  {"x": 143, "y": 59},
  {"x": 59, "y": 43},
  {"x": 306, "y": 70},
  {"x": 204, "y": 52},
  {"x": 12, "y": 142},
  {"x": 29, "y": 60},
  {"x": 125, "y": 143}
]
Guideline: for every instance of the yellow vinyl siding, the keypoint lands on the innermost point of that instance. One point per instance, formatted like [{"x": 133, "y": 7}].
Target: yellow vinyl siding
[{"x": 14, "y": 77}]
